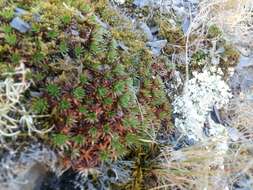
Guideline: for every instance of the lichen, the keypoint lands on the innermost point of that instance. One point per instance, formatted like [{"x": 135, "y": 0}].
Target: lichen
[{"x": 201, "y": 93}]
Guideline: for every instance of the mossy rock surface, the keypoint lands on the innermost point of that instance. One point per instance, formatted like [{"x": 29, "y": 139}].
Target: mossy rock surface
[{"x": 100, "y": 98}]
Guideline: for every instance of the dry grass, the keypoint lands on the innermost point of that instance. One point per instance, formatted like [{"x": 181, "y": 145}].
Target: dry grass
[
  {"x": 240, "y": 110},
  {"x": 194, "y": 168},
  {"x": 204, "y": 165},
  {"x": 233, "y": 17}
]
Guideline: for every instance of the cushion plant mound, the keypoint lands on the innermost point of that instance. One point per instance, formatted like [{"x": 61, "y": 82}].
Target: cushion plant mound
[{"x": 100, "y": 98}]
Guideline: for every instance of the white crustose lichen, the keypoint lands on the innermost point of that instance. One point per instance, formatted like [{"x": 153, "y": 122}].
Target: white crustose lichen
[{"x": 201, "y": 93}]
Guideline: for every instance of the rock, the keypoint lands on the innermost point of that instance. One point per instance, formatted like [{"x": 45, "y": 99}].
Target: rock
[
  {"x": 244, "y": 48},
  {"x": 183, "y": 141},
  {"x": 74, "y": 32},
  {"x": 20, "y": 25},
  {"x": 180, "y": 11},
  {"x": 242, "y": 79},
  {"x": 154, "y": 30},
  {"x": 30, "y": 179},
  {"x": 117, "y": 172},
  {"x": 66, "y": 181},
  {"x": 245, "y": 61},
  {"x": 175, "y": 139},
  {"x": 177, "y": 3},
  {"x": 120, "y": 1},
  {"x": 243, "y": 182},
  {"x": 156, "y": 51},
  {"x": 194, "y": 1},
  {"x": 143, "y": 26},
  {"x": 157, "y": 46},
  {"x": 122, "y": 46},
  {"x": 36, "y": 94},
  {"x": 234, "y": 134},
  {"x": 141, "y": 3},
  {"x": 20, "y": 11},
  {"x": 186, "y": 24},
  {"x": 215, "y": 115},
  {"x": 220, "y": 50},
  {"x": 26, "y": 170}
]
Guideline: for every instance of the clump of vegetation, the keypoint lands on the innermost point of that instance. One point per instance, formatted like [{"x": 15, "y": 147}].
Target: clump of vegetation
[
  {"x": 99, "y": 98},
  {"x": 230, "y": 56},
  {"x": 172, "y": 33},
  {"x": 214, "y": 32}
]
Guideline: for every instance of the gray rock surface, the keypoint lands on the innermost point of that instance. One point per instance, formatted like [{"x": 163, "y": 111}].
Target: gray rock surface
[
  {"x": 20, "y": 11},
  {"x": 234, "y": 134},
  {"x": 157, "y": 46},
  {"x": 245, "y": 61},
  {"x": 144, "y": 27},
  {"x": 25, "y": 171},
  {"x": 243, "y": 182},
  {"x": 242, "y": 80},
  {"x": 30, "y": 179},
  {"x": 142, "y": 3},
  {"x": 186, "y": 24},
  {"x": 20, "y": 25}
]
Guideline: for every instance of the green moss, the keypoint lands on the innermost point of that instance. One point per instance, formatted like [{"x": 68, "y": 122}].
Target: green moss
[
  {"x": 173, "y": 34},
  {"x": 6, "y": 29},
  {"x": 60, "y": 139},
  {"x": 198, "y": 56},
  {"x": 7, "y": 13},
  {"x": 11, "y": 39},
  {"x": 230, "y": 56},
  {"x": 79, "y": 93},
  {"x": 144, "y": 164},
  {"x": 53, "y": 90},
  {"x": 64, "y": 105},
  {"x": 40, "y": 106},
  {"x": 214, "y": 32},
  {"x": 87, "y": 82}
]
